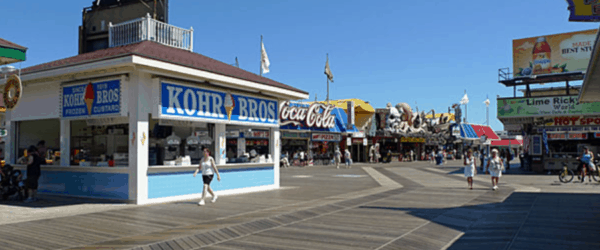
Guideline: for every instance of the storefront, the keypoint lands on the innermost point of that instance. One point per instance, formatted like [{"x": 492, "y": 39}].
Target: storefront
[
  {"x": 319, "y": 125},
  {"x": 131, "y": 128},
  {"x": 414, "y": 144}
]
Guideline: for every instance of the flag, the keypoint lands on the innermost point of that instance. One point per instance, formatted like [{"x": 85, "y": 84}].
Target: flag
[
  {"x": 328, "y": 70},
  {"x": 545, "y": 138},
  {"x": 464, "y": 100},
  {"x": 487, "y": 102},
  {"x": 264, "y": 59}
]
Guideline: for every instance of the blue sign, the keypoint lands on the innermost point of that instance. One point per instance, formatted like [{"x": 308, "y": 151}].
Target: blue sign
[
  {"x": 194, "y": 102},
  {"x": 92, "y": 99},
  {"x": 340, "y": 121}
]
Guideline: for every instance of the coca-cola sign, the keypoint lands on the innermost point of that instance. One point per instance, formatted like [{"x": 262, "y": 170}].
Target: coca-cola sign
[{"x": 316, "y": 115}]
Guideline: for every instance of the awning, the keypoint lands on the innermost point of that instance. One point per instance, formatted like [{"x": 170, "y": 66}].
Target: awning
[
  {"x": 11, "y": 52},
  {"x": 466, "y": 132},
  {"x": 481, "y": 130},
  {"x": 507, "y": 142},
  {"x": 340, "y": 122}
]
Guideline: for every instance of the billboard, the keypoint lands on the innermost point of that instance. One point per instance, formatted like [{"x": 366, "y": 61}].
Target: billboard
[
  {"x": 552, "y": 54},
  {"x": 584, "y": 10},
  {"x": 545, "y": 106}
]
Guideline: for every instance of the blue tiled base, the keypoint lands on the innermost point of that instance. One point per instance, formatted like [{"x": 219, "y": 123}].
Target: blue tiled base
[
  {"x": 162, "y": 185},
  {"x": 97, "y": 185}
]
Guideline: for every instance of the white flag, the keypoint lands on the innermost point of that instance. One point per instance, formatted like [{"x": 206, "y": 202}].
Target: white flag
[
  {"x": 328, "y": 70},
  {"x": 487, "y": 102},
  {"x": 264, "y": 59},
  {"x": 464, "y": 100}
]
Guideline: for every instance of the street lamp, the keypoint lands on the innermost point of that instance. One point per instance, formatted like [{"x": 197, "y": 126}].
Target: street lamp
[{"x": 7, "y": 69}]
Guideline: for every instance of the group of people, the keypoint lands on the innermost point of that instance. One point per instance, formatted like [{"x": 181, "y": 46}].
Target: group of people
[{"x": 494, "y": 167}]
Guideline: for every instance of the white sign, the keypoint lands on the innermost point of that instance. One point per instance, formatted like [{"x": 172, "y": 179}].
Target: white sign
[
  {"x": 358, "y": 135},
  {"x": 326, "y": 137},
  {"x": 316, "y": 115},
  {"x": 365, "y": 142},
  {"x": 348, "y": 141}
]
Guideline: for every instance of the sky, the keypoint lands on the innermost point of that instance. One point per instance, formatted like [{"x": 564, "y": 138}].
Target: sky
[{"x": 424, "y": 53}]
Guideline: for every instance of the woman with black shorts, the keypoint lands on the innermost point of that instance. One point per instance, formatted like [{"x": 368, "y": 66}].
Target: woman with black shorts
[{"x": 209, "y": 168}]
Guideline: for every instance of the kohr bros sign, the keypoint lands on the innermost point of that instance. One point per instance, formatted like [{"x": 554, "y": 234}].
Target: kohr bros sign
[{"x": 203, "y": 104}]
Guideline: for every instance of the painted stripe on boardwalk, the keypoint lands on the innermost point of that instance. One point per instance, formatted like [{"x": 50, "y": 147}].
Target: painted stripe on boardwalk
[{"x": 381, "y": 178}]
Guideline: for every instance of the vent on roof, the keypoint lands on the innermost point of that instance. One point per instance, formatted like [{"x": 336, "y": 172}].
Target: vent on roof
[{"x": 148, "y": 29}]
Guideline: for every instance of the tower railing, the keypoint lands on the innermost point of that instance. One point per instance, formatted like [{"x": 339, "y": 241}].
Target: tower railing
[{"x": 149, "y": 29}]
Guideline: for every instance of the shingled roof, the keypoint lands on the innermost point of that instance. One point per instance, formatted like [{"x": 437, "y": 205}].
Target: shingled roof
[
  {"x": 156, "y": 51},
  {"x": 9, "y": 44}
]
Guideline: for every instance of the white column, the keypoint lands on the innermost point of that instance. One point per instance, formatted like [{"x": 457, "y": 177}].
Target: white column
[
  {"x": 220, "y": 143},
  {"x": 275, "y": 145},
  {"x": 65, "y": 143},
  {"x": 139, "y": 98},
  {"x": 10, "y": 140}
]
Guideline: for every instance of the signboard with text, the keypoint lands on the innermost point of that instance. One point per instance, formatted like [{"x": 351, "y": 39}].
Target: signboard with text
[
  {"x": 195, "y": 103},
  {"x": 91, "y": 99},
  {"x": 584, "y": 10},
  {"x": 545, "y": 106},
  {"x": 412, "y": 140},
  {"x": 574, "y": 121},
  {"x": 552, "y": 54},
  {"x": 326, "y": 137}
]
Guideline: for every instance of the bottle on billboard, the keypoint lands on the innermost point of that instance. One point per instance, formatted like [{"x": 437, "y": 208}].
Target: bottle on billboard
[{"x": 541, "y": 57}]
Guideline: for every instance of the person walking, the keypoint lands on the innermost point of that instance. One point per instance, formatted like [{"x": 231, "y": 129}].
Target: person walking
[
  {"x": 208, "y": 168},
  {"x": 348, "y": 159},
  {"x": 432, "y": 156},
  {"x": 453, "y": 154},
  {"x": 470, "y": 168},
  {"x": 338, "y": 157},
  {"x": 494, "y": 167}
]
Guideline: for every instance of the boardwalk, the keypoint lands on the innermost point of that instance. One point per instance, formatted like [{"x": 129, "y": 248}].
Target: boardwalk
[{"x": 401, "y": 206}]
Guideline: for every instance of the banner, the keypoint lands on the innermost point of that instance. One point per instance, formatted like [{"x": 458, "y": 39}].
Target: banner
[
  {"x": 545, "y": 138},
  {"x": 91, "y": 99},
  {"x": 200, "y": 104},
  {"x": 574, "y": 121},
  {"x": 412, "y": 140},
  {"x": 545, "y": 106},
  {"x": 551, "y": 54},
  {"x": 584, "y": 10}
]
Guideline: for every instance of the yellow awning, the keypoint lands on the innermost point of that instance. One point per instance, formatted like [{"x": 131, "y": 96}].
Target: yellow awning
[{"x": 363, "y": 111}]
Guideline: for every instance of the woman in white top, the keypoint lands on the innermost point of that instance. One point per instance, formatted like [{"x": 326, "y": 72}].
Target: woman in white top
[
  {"x": 209, "y": 168},
  {"x": 337, "y": 157},
  {"x": 470, "y": 168},
  {"x": 495, "y": 166},
  {"x": 348, "y": 159}
]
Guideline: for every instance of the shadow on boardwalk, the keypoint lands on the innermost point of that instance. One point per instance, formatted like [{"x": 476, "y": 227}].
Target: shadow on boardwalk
[
  {"x": 522, "y": 221},
  {"x": 48, "y": 201}
]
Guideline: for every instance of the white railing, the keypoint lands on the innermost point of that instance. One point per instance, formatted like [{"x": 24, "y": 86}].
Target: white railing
[{"x": 148, "y": 29}]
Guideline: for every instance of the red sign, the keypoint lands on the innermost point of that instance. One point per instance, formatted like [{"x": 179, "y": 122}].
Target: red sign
[
  {"x": 574, "y": 121},
  {"x": 357, "y": 140},
  {"x": 257, "y": 134},
  {"x": 578, "y": 136},
  {"x": 561, "y": 136},
  {"x": 311, "y": 116}
]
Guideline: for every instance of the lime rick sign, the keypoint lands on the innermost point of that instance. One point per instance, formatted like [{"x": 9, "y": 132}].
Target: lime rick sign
[{"x": 544, "y": 106}]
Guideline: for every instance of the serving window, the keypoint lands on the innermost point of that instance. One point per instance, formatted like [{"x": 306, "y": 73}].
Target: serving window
[
  {"x": 29, "y": 133},
  {"x": 99, "y": 145},
  {"x": 247, "y": 145},
  {"x": 178, "y": 143}
]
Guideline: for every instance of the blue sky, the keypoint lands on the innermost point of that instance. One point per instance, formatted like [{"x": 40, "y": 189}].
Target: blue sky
[{"x": 426, "y": 52}]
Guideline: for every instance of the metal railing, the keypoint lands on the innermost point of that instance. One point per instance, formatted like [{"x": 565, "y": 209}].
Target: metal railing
[{"x": 148, "y": 29}]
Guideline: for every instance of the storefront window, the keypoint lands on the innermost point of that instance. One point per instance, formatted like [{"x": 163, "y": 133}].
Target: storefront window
[
  {"x": 247, "y": 145},
  {"x": 174, "y": 143},
  {"x": 99, "y": 146},
  {"x": 30, "y": 133}
]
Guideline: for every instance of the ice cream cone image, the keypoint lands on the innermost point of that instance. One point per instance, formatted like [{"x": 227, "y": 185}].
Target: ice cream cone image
[
  {"x": 89, "y": 97},
  {"x": 229, "y": 105}
]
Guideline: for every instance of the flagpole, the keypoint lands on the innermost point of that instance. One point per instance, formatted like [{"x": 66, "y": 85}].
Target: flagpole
[
  {"x": 466, "y": 110},
  {"x": 260, "y": 64},
  {"x": 328, "y": 82}
]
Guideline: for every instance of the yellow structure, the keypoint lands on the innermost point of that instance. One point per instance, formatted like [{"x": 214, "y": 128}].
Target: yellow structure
[
  {"x": 440, "y": 115},
  {"x": 363, "y": 111}
]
